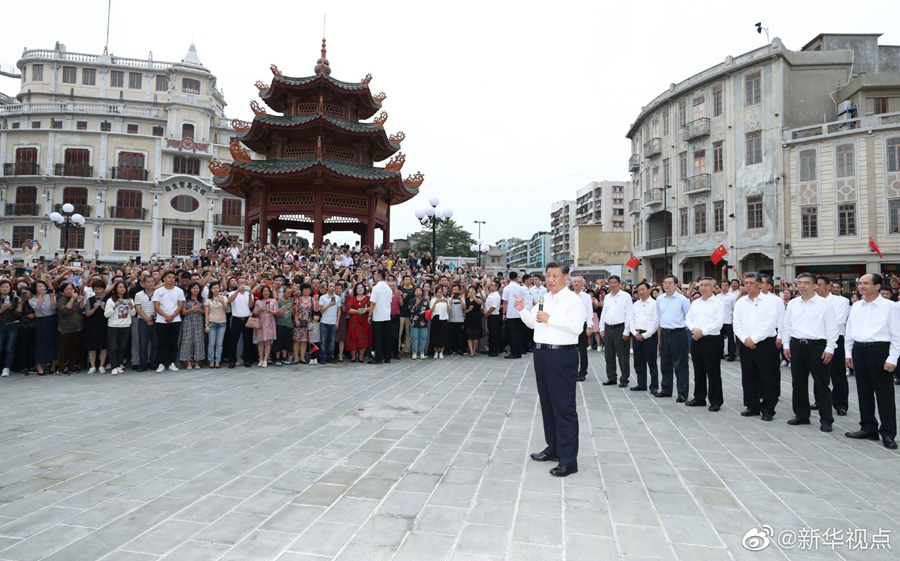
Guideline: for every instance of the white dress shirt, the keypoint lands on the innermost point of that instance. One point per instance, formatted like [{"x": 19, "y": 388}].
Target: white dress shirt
[
  {"x": 706, "y": 315},
  {"x": 841, "y": 310},
  {"x": 382, "y": 296},
  {"x": 616, "y": 310},
  {"x": 512, "y": 290},
  {"x": 588, "y": 304},
  {"x": 493, "y": 301},
  {"x": 644, "y": 316},
  {"x": 566, "y": 321},
  {"x": 878, "y": 320},
  {"x": 536, "y": 292},
  {"x": 757, "y": 318},
  {"x": 810, "y": 319},
  {"x": 728, "y": 299}
]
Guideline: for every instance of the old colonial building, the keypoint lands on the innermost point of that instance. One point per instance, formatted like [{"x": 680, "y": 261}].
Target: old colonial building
[{"x": 126, "y": 141}]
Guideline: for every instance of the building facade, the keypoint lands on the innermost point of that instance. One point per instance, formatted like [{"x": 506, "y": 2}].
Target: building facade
[
  {"x": 517, "y": 255},
  {"x": 126, "y": 141},
  {"x": 707, "y": 162},
  {"x": 531, "y": 255},
  {"x": 603, "y": 203},
  {"x": 562, "y": 220}
]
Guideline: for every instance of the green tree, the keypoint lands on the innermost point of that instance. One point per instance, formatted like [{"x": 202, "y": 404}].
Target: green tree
[{"x": 451, "y": 240}]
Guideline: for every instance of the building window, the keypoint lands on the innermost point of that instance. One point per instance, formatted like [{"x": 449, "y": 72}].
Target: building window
[
  {"x": 54, "y": 124},
  {"x": 76, "y": 239},
  {"x": 35, "y": 124},
  {"x": 809, "y": 222},
  {"x": 656, "y": 178},
  {"x": 717, "y": 101},
  {"x": 808, "y": 165},
  {"x": 105, "y": 126},
  {"x": 755, "y": 212},
  {"x": 81, "y": 125},
  {"x": 699, "y": 219},
  {"x": 182, "y": 241},
  {"x": 719, "y": 216},
  {"x": 699, "y": 110},
  {"x": 22, "y": 234},
  {"x": 894, "y": 211},
  {"x": 131, "y": 160},
  {"x": 683, "y": 222},
  {"x": 116, "y": 79},
  {"x": 126, "y": 240},
  {"x": 881, "y": 105},
  {"x": 15, "y": 125},
  {"x": 157, "y": 131},
  {"x": 231, "y": 208},
  {"x": 654, "y": 129},
  {"x": 190, "y": 86},
  {"x": 132, "y": 128},
  {"x": 189, "y": 166},
  {"x": 666, "y": 178},
  {"x": 88, "y": 77},
  {"x": 187, "y": 131},
  {"x": 893, "y": 154},
  {"x": 75, "y": 195},
  {"x": 162, "y": 83},
  {"x": 847, "y": 219},
  {"x": 26, "y": 156},
  {"x": 846, "y": 164},
  {"x": 682, "y": 113},
  {"x": 37, "y": 73},
  {"x": 129, "y": 199},
  {"x": 718, "y": 156},
  {"x": 682, "y": 166},
  {"x": 77, "y": 157},
  {"x": 185, "y": 203},
  {"x": 754, "y": 148},
  {"x": 752, "y": 88},
  {"x": 26, "y": 195},
  {"x": 665, "y": 121},
  {"x": 70, "y": 74},
  {"x": 134, "y": 80},
  {"x": 699, "y": 162}
]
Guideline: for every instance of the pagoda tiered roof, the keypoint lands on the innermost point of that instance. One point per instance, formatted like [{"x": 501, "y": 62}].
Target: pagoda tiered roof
[{"x": 278, "y": 99}]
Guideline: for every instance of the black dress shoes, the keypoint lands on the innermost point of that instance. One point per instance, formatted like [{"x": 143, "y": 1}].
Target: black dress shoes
[
  {"x": 609, "y": 383},
  {"x": 563, "y": 471},
  {"x": 623, "y": 384},
  {"x": 638, "y": 389},
  {"x": 730, "y": 359},
  {"x": 749, "y": 412},
  {"x": 825, "y": 427},
  {"x": 680, "y": 399},
  {"x": 581, "y": 378},
  {"x": 841, "y": 412},
  {"x": 798, "y": 421},
  {"x": 889, "y": 443},
  {"x": 373, "y": 361},
  {"x": 714, "y": 408},
  {"x": 861, "y": 434},
  {"x": 696, "y": 403},
  {"x": 513, "y": 356},
  {"x": 767, "y": 417},
  {"x": 660, "y": 394},
  {"x": 230, "y": 365},
  {"x": 544, "y": 457},
  {"x": 814, "y": 406}
]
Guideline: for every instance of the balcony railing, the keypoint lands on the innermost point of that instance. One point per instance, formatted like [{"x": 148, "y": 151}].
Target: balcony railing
[
  {"x": 634, "y": 206},
  {"x": 229, "y": 220},
  {"x": 131, "y": 174},
  {"x": 653, "y": 197},
  {"x": 697, "y": 184},
  {"x": 698, "y": 128},
  {"x": 658, "y": 243},
  {"x": 73, "y": 170},
  {"x": 634, "y": 162},
  {"x": 83, "y": 210},
  {"x": 30, "y": 168},
  {"x": 128, "y": 213},
  {"x": 22, "y": 209},
  {"x": 653, "y": 147}
]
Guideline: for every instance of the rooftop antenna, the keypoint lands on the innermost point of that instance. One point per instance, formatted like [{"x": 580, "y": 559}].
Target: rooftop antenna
[
  {"x": 760, "y": 29},
  {"x": 108, "y": 13}
]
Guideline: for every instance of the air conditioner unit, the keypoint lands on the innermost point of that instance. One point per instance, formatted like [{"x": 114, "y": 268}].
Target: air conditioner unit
[{"x": 845, "y": 110}]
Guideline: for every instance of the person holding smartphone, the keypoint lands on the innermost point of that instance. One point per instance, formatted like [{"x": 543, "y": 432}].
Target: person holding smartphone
[
  {"x": 119, "y": 309},
  {"x": 10, "y": 312}
]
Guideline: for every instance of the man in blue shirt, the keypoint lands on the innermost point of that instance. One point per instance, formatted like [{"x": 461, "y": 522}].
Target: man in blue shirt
[{"x": 672, "y": 308}]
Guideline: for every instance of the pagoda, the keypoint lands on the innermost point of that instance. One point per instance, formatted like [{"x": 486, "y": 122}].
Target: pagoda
[{"x": 316, "y": 167}]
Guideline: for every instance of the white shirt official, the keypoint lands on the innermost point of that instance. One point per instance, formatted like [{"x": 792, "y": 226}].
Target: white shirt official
[
  {"x": 757, "y": 319},
  {"x": 616, "y": 310},
  {"x": 512, "y": 290},
  {"x": 493, "y": 301},
  {"x": 566, "y": 321},
  {"x": 588, "y": 305},
  {"x": 869, "y": 322},
  {"x": 382, "y": 296},
  {"x": 810, "y": 319},
  {"x": 841, "y": 310},
  {"x": 728, "y": 300},
  {"x": 706, "y": 315},
  {"x": 644, "y": 316}
]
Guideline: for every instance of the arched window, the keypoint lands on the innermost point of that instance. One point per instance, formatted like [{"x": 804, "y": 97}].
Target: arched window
[{"x": 185, "y": 203}]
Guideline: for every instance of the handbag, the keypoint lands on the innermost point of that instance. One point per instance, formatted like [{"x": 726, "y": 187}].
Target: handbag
[
  {"x": 252, "y": 323},
  {"x": 302, "y": 324},
  {"x": 427, "y": 314}
]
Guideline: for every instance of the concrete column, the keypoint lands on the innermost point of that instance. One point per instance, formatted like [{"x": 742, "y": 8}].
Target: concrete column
[
  {"x": 104, "y": 147},
  {"x": 155, "y": 220}
]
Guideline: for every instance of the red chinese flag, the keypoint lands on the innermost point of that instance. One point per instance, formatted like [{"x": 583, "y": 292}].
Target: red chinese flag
[
  {"x": 314, "y": 348},
  {"x": 633, "y": 262},
  {"x": 718, "y": 254},
  {"x": 875, "y": 248}
]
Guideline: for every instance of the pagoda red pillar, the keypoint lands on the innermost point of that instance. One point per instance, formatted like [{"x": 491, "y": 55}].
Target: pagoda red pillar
[
  {"x": 318, "y": 237},
  {"x": 248, "y": 225},
  {"x": 274, "y": 237},
  {"x": 386, "y": 242},
  {"x": 263, "y": 213}
]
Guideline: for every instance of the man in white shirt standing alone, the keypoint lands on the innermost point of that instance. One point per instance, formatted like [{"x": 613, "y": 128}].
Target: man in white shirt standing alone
[
  {"x": 644, "y": 324},
  {"x": 380, "y": 318},
  {"x": 615, "y": 321},
  {"x": 756, "y": 319},
  {"x": 585, "y": 298},
  {"x": 705, "y": 320}
]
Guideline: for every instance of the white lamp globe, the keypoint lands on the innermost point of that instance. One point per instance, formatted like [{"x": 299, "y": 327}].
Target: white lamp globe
[
  {"x": 68, "y": 207},
  {"x": 474, "y": 248},
  {"x": 448, "y": 213},
  {"x": 438, "y": 213},
  {"x": 420, "y": 214},
  {"x": 429, "y": 211},
  {"x": 78, "y": 219},
  {"x": 479, "y": 242},
  {"x": 485, "y": 248},
  {"x": 56, "y": 217},
  {"x": 434, "y": 201}
]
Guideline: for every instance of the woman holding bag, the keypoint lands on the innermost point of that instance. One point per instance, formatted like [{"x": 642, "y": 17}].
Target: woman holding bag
[{"x": 118, "y": 310}]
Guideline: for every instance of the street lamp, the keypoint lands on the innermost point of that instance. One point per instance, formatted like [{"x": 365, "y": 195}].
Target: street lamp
[
  {"x": 480, "y": 248},
  {"x": 67, "y": 222},
  {"x": 431, "y": 216}
]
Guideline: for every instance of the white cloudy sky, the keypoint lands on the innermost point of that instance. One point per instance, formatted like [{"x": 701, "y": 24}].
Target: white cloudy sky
[{"x": 507, "y": 106}]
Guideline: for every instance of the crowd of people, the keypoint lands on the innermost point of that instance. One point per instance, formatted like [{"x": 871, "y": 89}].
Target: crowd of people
[{"x": 245, "y": 304}]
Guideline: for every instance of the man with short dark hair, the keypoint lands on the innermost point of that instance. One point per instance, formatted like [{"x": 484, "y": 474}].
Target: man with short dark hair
[
  {"x": 380, "y": 318},
  {"x": 756, "y": 318},
  {"x": 840, "y": 388},
  {"x": 513, "y": 316},
  {"x": 672, "y": 308},
  {"x": 644, "y": 325},
  {"x": 705, "y": 320},
  {"x": 615, "y": 331},
  {"x": 492, "y": 312}
]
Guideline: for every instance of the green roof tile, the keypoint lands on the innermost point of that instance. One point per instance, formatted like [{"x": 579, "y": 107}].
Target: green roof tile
[
  {"x": 306, "y": 80},
  {"x": 291, "y": 120},
  {"x": 284, "y": 166}
]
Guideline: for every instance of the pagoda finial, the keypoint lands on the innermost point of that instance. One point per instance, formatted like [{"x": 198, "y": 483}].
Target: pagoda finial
[{"x": 322, "y": 64}]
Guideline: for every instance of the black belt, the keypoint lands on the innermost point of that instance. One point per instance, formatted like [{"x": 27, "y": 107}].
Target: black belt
[
  {"x": 674, "y": 328},
  {"x": 807, "y": 341},
  {"x": 546, "y": 347},
  {"x": 873, "y": 344},
  {"x": 615, "y": 324}
]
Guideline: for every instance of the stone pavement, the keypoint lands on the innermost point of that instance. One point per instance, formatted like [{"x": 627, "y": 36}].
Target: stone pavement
[{"x": 416, "y": 460}]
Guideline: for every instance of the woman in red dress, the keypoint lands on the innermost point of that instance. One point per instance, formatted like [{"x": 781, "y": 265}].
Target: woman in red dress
[{"x": 359, "y": 330}]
